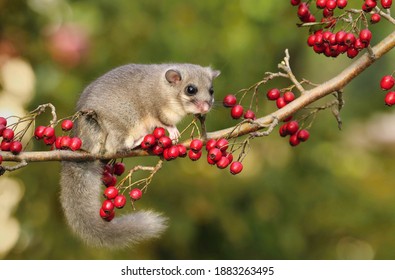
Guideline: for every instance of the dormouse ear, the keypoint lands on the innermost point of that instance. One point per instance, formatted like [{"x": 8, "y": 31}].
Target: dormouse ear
[
  {"x": 173, "y": 76},
  {"x": 215, "y": 73}
]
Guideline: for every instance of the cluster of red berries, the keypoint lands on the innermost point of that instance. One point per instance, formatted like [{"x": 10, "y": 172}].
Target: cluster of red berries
[
  {"x": 110, "y": 171},
  {"x": 328, "y": 7},
  {"x": 159, "y": 144},
  {"x": 47, "y": 133},
  {"x": 237, "y": 110},
  {"x": 274, "y": 94},
  {"x": 369, "y": 5},
  {"x": 114, "y": 199},
  {"x": 387, "y": 83},
  {"x": 332, "y": 44},
  {"x": 297, "y": 135},
  {"x": 8, "y": 143},
  {"x": 218, "y": 155},
  {"x": 290, "y": 128}
]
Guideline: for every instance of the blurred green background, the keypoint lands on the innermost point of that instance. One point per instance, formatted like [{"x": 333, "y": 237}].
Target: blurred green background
[{"x": 332, "y": 197}]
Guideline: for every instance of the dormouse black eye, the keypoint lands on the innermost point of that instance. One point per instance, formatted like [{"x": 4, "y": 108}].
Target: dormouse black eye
[
  {"x": 191, "y": 90},
  {"x": 211, "y": 91}
]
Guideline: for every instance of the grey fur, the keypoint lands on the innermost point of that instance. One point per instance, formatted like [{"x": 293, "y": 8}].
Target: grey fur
[{"x": 124, "y": 105}]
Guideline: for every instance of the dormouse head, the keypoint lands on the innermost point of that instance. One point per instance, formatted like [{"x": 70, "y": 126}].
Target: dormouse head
[{"x": 194, "y": 86}]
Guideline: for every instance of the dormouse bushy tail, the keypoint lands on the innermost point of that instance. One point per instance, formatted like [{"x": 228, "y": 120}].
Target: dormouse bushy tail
[{"x": 80, "y": 198}]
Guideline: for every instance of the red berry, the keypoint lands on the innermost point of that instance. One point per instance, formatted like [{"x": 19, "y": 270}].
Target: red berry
[
  {"x": 164, "y": 142},
  {"x": 39, "y": 132},
  {"x": 331, "y": 4},
  {"x": 182, "y": 150},
  {"x": 2, "y": 128},
  {"x": 237, "y": 111},
  {"x": 283, "y": 130},
  {"x": 157, "y": 150},
  {"x": 5, "y": 145},
  {"x": 294, "y": 140},
  {"x": 16, "y": 147},
  {"x": 159, "y": 132},
  {"x": 319, "y": 39},
  {"x": 49, "y": 140},
  {"x": 359, "y": 45},
  {"x": 107, "y": 206},
  {"x": 173, "y": 152},
  {"x": 249, "y": 115},
  {"x": 310, "y": 43},
  {"x": 342, "y": 48},
  {"x": 148, "y": 141},
  {"x": 108, "y": 168},
  {"x": 67, "y": 125},
  {"x": 229, "y": 100},
  {"x": 273, "y": 93},
  {"x": 365, "y": 36},
  {"x": 75, "y": 144},
  {"x": 390, "y": 98},
  {"x": 375, "y": 18},
  {"x": 196, "y": 145},
  {"x": 352, "y": 52},
  {"x": 287, "y": 119},
  {"x": 229, "y": 156},
  {"x": 280, "y": 102},
  {"x": 135, "y": 194},
  {"x": 371, "y": 3},
  {"x": 329, "y": 37},
  {"x": 295, "y": 2},
  {"x": 223, "y": 162},
  {"x": 3, "y": 121},
  {"x": 106, "y": 216},
  {"x": 210, "y": 161},
  {"x": 366, "y": 8},
  {"x": 110, "y": 216},
  {"x": 120, "y": 201},
  {"x": 194, "y": 155},
  {"x": 215, "y": 154},
  {"x": 111, "y": 192},
  {"x": 341, "y": 4},
  {"x": 349, "y": 39},
  {"x": 210, "y": 144},
  {"x": 327, "y": 13},
  {"x": 119, "y": 168},
  {"x": 222, "y": 144},
  {"x": 65, "y": 142},
  {"x": 49, "y": 132},
  {"x": 236, "y": 167},
  {"x": 386, "y": 4},
  {"x": 303, "y": 135},
  {"x": 321, "y": 4},
  {"x": 108, "y": 179},
  {"x": 8, "y": 134},
  {"x": 303, "y": 10},
  {"x": 340, "y": 37},
  {"x": 166, "y": 154},
  {"x": 292, "y": 127},
  {"x": 289, "y": 97},
  {"x": 387, "y": 82}
]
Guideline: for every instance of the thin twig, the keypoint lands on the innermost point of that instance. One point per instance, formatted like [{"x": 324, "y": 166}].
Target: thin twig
[{"x": 284, "y": 65}]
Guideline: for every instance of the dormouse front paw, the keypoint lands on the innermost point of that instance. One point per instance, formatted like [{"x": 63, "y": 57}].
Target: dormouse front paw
[{"x": 174, "y": 134}]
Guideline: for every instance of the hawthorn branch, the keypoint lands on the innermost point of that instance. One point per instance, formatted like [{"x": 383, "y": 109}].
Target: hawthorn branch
[{"x": 336, "y": 84}]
